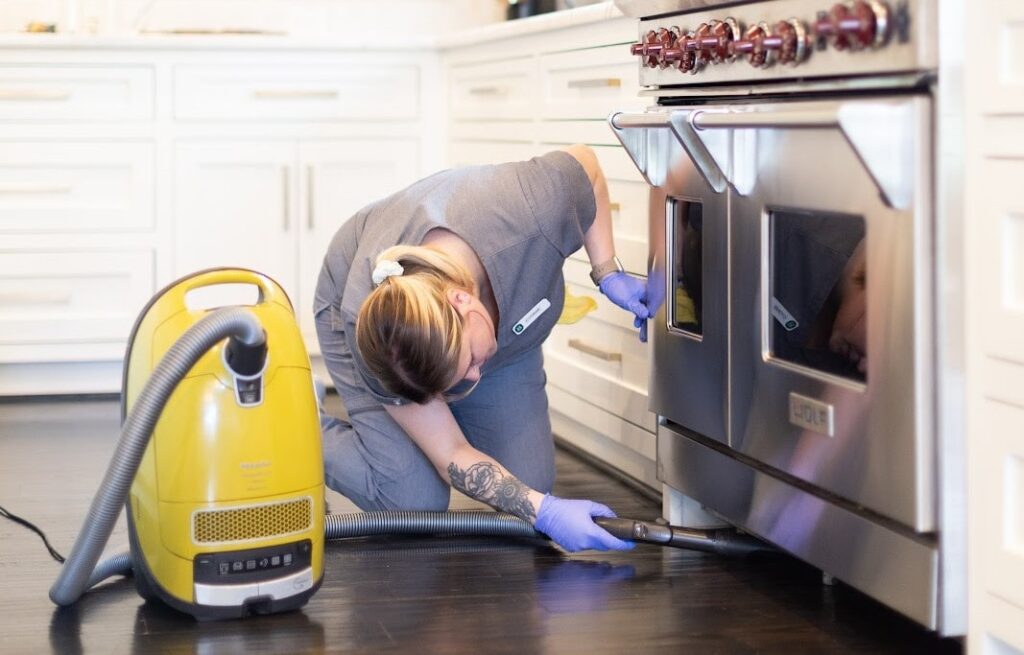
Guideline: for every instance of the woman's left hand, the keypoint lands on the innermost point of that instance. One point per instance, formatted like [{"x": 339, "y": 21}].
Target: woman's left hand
[{"x": 628, "y": 292}]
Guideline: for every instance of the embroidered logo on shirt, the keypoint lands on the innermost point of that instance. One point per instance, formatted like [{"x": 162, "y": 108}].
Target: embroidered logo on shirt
[{"x": 531, "y": 316}]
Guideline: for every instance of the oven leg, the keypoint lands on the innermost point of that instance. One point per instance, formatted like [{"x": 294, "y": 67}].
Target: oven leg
[{"x": 683, "y": 511}]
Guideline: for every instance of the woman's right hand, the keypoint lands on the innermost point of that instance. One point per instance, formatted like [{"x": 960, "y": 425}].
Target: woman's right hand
[{"x": 570, "y": 524}]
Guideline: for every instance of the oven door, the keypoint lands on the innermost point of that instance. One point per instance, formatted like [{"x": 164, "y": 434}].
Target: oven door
[
  {"x": 831, "y": 349},
  {"x": 688, "y": 269}
]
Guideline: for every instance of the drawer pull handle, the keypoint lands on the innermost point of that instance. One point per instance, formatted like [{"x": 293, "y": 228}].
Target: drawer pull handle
[
  {"x": 41, "y": 298},
  {"x": 614, "y": 207},
  {"x": 596, "y": 83},
  {"x": 487, "y": 91},
  {"x": 310, "y": 199},
  {"x": 28, "y": 95},
  {"x": 294, "y": 94},
  {"x": 286, "y": 199},
  {"x": 35, "y": 190},
  {"x": 604, "y": 355}
]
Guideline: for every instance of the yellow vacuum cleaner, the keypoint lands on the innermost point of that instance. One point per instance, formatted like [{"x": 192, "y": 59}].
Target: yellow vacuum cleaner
[
  {"x": 220, "y": 471},
  {"x": 227, "y": 505}
]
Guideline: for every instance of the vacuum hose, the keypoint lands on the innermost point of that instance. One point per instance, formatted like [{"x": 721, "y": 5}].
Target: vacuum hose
[{"x": 78, "y": 573}]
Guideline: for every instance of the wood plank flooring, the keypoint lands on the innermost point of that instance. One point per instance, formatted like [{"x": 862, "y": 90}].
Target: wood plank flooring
[{"x": 421, "y": 595}]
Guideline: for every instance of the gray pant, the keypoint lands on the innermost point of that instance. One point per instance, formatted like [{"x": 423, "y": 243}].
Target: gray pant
[{"x": 370, "y": 459}]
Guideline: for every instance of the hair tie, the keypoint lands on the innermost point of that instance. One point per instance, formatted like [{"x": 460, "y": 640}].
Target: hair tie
[{"x": 385, "y": 269}]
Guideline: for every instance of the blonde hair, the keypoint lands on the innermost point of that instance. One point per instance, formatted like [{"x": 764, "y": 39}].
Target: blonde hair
[{"x": 408, "y": 333}]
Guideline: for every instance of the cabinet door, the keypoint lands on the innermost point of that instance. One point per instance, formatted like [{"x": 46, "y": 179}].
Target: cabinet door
[
  {"x": 235, "y": 206},
  {"x": 339, "y": 177}
]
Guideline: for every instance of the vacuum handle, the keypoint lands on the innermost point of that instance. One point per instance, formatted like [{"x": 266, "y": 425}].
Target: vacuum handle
[{"x": 270, "y": 291}]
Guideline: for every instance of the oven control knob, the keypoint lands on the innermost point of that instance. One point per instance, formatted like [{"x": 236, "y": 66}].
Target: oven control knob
[
  {"x": 652, "y": 48},
  {"x": 712, "y": 41},
  {"x": 753, "y": 47},
  {"x": 683, "y": 55},
  {"x": 862, "y": 24},
  {"x": 790, "y": 41}
]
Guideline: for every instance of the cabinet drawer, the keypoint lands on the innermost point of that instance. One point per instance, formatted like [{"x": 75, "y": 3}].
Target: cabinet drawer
[
  {"x": 74, "y": 93},
  {"x": 501, "y": 90},
  {"x": 590, "y": 83},
  {"x": 71, "y": 297},
  {"x": 76, "y": 187},
  {"x": 306, "y": 92},
  {"x": 611, "y": 395},
  {"x": 604, "y": 343},
  {"x": 628, "y": 448}
]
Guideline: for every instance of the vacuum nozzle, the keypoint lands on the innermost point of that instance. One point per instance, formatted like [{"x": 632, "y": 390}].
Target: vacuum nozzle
[{"x": 721, "y": 541}]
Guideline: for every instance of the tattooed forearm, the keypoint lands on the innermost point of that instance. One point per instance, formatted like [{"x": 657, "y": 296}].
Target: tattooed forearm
[{"x": 485, "y": 482}]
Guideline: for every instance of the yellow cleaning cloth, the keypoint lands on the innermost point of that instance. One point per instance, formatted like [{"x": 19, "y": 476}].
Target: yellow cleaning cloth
[{"x": 575, "y": 308}]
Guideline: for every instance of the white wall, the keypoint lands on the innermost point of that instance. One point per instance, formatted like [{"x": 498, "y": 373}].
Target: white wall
[{"x": 321, "y": 19}]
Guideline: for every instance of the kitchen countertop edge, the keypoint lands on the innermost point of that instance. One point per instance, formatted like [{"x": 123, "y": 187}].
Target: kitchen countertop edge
[{"x": 492, "y": 32}]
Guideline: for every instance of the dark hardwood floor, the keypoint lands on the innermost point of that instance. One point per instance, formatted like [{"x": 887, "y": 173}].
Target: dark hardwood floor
[{"x": 422, "y": 595}]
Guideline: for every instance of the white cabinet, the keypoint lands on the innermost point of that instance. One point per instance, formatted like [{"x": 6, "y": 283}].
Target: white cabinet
[
  {"x": 274, "y": 206},
  {"x": 354, "y": 90},
  {"x": 235, "y": 205},
  {"x": 76, "y": 186},
  {"x": 76, "y": 93},
  {"x": 125, "y": 166},
  {"x": 339, "y": 178}
]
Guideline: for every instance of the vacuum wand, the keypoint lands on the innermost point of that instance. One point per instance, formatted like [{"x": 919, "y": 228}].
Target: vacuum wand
[{"x": 721, "y": 541}]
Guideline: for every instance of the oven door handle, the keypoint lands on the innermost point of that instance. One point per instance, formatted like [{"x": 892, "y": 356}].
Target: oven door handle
[
  {"x": 702, "y": 119},
  {"x": 889, "y": 138},
  {"x": 643, "y": 135}
]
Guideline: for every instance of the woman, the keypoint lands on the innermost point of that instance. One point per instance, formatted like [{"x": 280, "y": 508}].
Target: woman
[{"x": 451, "y": 286}]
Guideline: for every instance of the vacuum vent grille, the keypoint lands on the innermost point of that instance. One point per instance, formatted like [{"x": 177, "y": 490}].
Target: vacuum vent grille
[{"x": 252, "y": 522}]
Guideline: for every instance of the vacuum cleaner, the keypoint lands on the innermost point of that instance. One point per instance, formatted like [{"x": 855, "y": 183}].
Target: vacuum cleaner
[{"x": 219, "y": 467}]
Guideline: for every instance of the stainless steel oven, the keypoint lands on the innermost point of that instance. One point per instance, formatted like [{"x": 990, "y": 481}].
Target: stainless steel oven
[{"x": 792, "y": 260}]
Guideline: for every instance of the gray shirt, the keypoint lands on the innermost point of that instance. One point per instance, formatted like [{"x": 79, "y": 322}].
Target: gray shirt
[{"x": 522, "y": 219}]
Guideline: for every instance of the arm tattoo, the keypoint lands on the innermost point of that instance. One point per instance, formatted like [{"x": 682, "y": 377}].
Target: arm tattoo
[{"x": 485, "y": 482}]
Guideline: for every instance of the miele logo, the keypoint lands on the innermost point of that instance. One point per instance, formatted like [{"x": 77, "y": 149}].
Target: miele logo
[
  {"x": 249, "y": 466},
  {"x": 811, "y": 414}
]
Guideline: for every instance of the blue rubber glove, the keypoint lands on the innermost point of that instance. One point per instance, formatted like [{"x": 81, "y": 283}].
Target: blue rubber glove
[
  {"x": 570, "y": 524},
  {"x": 655, "y": 297},
  {"x": 628, "y": 292}
]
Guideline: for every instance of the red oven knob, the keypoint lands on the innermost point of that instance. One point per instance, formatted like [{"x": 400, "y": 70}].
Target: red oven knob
[
  {"x": 790, "y": 41},
  {"x": 752, "y": 45},
  {"x": 682, "y": 56},
  {"x": 864, "y": 24},
  {"x": 653, "y": 47},
  {"x": 712, "y": 41}
]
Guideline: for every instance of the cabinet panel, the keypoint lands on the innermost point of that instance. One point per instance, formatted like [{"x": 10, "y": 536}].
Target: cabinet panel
[
  {"x": 500, "y": 90},
  {"x": 589, "y": 83},
  {"x": 605, "y": 436},
  {"x": 340, "y": 177},
  {"x": 50, "y": 298},
  {"x": 235, "y": 205},
  {"x": 297, "y": 92},
  {"x": 76, "y": 187},
  {"x": 76, "y": 93}
]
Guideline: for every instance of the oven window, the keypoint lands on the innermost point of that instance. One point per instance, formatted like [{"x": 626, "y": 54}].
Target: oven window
[
  {"x": 687, "y": 267},
  {"x": 818, "y": 297}
]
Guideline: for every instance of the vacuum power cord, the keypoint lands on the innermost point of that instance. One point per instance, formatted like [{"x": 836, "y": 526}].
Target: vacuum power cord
[{"x": 42, "y": 535}]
